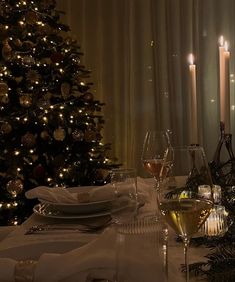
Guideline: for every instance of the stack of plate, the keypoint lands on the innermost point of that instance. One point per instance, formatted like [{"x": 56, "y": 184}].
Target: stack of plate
[{"x": 78, "y": 210}]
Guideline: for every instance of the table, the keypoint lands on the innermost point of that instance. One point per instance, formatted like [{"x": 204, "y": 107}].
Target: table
[{"x": 18, "y": 246}]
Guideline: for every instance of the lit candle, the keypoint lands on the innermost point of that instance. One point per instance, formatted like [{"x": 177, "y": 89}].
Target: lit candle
[
  {"x": 193, "y": 89},
  {"x": 222, "y": 78},
  {"x": 204, "y": 191},
  {"x": 216, "y": 189},
  {"x": 216, "y": 224},
  {"x": 226, "y": 89}
]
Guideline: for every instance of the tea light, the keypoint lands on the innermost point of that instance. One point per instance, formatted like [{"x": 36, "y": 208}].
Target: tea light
[
  {"x": 204, "y": 191},
  {"x": 216, "y": 223},
  {"x": 216, "y": 189}
]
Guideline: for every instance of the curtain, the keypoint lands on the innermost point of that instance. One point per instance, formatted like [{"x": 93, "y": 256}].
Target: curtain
[{"x": 138, "y": 51}]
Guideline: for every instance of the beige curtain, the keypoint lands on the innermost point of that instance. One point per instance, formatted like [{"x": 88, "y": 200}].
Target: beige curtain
[{"x": 137, "y": 51}]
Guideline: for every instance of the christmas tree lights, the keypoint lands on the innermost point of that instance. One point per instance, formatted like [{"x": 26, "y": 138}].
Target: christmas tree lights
[{"x": 50, "y": 122}]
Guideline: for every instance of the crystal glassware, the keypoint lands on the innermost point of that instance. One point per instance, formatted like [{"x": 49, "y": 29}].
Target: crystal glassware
[
  {"x": 182, "y": 205},
  {"x": 154, "y": 151},
  {"x": 124, "y": 204},
  {"x": 139, "y": 251}
]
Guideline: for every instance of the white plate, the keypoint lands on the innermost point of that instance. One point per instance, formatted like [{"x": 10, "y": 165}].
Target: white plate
[
  {"x": 35, "y": 250},
  {"x": 46, "y": 211},
  {"x": 80, "y": 208}
]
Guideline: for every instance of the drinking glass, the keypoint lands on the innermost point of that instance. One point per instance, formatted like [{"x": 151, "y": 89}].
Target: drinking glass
[
  {"x": 124, "y": 205},
  {"x": 139, "y": 251},
  {"x": 181, "y": 203},
  {"x": 154, "y": 151}
]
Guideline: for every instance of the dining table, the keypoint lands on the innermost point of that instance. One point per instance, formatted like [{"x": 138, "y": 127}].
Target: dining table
[{"x": 70, "y": 254}]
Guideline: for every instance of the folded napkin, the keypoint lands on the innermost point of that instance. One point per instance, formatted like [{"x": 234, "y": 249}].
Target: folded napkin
[
  {"x": 57, "y": 195},
  {"x": 99, "y": 193}
]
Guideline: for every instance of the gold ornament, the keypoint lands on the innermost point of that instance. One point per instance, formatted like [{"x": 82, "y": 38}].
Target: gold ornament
[
  {"x": 45, "y": 135},
  {"x": 28, "y": 60},
  {"x": 6, "y": 128},
  {"x": 26, "y": 100},
  {"x": 18, "y": 79},
  {"x": 28, "y": 140},
  {"x": 88, "y": 97},
  {"x": 65, "y": 89},
  {"x": 15, "y": 187},
  {"x": 4, "y": 99},
  {"x": 59, "y": 134},
  {"x": 17, "y": 42},
  {"x": 3, "y": 88}
]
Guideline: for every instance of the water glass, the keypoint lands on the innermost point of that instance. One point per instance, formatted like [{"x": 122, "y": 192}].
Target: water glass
[
  {"x": 124, "y": 205},
  {"x": 140, "y": 251}
]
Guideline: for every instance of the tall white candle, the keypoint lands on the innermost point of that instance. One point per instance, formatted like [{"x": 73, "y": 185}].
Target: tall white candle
[
  {"x": 226, "y": 89},
  {"x": 222, "y": 78},
  {"x": 193, "y": 90}
]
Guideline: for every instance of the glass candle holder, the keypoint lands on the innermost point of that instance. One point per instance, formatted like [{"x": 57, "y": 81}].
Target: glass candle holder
[
  {"x": 217, "y": 222},
  {"x": 205, "y": 192},
  {"x": 217, "y": 195}
]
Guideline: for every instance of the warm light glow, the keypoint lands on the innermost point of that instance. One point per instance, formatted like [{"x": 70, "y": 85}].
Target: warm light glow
[
  {"x": 226, "y": 46},
  {"x": 221, "y": 40},
  {"x": 191, "y": 59}
]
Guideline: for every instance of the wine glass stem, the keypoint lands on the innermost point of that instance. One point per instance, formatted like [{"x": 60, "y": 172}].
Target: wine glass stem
[
  {"x": 186, "y": 245},
  {"x": 157, "y": 183}
]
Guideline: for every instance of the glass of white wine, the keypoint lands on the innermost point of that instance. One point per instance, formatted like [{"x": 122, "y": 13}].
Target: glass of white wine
[
  {"x": 182, "y": 207},
  {"x": 154, "y": 151}
]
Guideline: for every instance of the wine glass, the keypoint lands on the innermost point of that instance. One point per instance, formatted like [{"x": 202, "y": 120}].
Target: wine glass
[
  {"x": 156, "y": 144},
  {"x": 154, "y": 151},
  {"x": 124, "y": 204},
  {"x": 180, "y": 201}
]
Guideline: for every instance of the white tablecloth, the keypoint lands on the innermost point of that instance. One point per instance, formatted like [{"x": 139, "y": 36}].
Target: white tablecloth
[{"x": 16, "y": 245}]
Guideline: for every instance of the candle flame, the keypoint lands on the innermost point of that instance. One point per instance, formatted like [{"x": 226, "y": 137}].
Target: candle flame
[
  {"x": 191, "y": 59},
  {"x": 221, "y": 40},
  {"x": 226, "y": 46}
]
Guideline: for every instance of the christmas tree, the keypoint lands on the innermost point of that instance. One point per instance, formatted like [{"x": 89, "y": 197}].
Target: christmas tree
[{"x": 50, "y": 123}]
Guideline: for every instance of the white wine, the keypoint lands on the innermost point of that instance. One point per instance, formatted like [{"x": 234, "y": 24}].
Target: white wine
[{"x": 186, "y": 216}]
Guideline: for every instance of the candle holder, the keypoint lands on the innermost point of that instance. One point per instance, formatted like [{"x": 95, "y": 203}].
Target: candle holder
[
  {"x": 223, "y": 173},
  {"x": 217, "y": 223}
]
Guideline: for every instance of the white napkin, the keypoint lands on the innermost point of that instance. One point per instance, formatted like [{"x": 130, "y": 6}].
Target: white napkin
[
  {"x": 99, "y": 193},
  {"x": 55, "y": 195},
  {"x": 74, "y": 266}
]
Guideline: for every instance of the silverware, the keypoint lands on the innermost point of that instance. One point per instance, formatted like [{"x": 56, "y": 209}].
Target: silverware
[{"x": 86, "y": 228}]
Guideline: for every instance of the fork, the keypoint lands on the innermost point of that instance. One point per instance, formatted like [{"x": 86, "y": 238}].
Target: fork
[{"x": 86, "y": 228}]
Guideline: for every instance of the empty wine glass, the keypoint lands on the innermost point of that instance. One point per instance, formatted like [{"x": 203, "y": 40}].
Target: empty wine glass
[
  {"x": 154, "y": 151},
  {"x": 181, "y": 203},
  {"x": 124, "y": 205}
]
